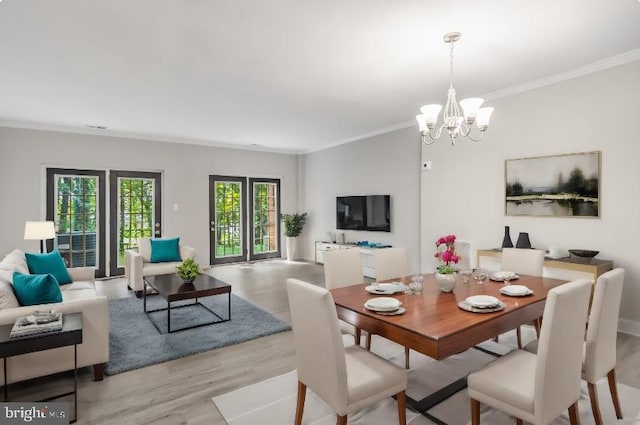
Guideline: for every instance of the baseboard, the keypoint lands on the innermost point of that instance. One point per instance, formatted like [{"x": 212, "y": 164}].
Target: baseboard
[{"x": 629, "y": 327}]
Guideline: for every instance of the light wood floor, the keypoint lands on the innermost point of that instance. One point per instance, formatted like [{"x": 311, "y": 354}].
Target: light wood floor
[{"x": 180, "y": 391}]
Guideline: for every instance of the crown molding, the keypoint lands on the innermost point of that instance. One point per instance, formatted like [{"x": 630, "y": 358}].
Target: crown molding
[{"x": 612, "y": 62}]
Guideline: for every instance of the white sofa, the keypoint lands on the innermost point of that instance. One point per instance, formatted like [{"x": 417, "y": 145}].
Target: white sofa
[
  {"x": 138, "y": 264},
  {"x": 80, "y": 296}
]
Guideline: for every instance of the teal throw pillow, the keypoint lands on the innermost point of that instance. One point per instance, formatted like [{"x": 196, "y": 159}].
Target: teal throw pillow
[
  {"x": 34, "y": 289},
  {"x": 164, "y": 250},
  {"x": 50, "y": 262}
]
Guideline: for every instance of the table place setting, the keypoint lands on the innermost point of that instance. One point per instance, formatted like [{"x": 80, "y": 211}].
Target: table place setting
[
  {"x": 515, "y": 291},
  {"x": 385, "y": 305},
  {"x": 503, "y": 276},
  {"x": 386, "y": 288},
  {"x": 481, "y": 304}
]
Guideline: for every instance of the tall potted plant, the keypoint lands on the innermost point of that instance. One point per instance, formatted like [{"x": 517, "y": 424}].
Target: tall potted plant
[{"x": 293, "y": 225}]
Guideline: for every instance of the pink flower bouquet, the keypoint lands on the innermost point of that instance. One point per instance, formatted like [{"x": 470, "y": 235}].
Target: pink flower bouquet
[{"x": 446, "y": 254}]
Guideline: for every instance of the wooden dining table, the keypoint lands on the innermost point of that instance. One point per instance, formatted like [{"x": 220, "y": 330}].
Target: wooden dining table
[{"x": 434, "y": 325}]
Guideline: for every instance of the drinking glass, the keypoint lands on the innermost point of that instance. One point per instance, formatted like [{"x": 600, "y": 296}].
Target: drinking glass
[
  {"x": 416, "y": 284},
  {"x": 465, "y": 275},
  {"x": 479, "y": 275}
]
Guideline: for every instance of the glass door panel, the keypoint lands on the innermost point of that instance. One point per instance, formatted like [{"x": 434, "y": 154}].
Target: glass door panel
[
  {"x": 265, "y": 218},
  {"x": 135, "y": 206},
  {"x": 227, "y": 218},
  {"x": 75, "y": 202}
]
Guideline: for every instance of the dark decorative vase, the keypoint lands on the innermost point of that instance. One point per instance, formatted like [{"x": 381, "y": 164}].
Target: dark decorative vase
[
  {"x": 523, "y": 241},
  {"x": 506, "y": 241}
]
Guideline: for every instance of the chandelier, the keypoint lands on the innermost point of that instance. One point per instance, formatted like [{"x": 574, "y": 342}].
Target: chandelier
[{"x": 454, "y": 121}]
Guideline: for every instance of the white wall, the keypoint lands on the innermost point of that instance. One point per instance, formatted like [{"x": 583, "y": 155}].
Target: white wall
[
  {"x": 388, "y": 164},
  {"x": 464, "y": 193},
  {"x": 24, "y": 154}
]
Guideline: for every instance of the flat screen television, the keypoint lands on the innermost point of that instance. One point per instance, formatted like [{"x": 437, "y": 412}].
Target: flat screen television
[{"x": 370, "y": 212}]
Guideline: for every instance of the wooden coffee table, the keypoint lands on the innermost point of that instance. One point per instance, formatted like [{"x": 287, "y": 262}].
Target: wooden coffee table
[{"x": 172, "y": 289}]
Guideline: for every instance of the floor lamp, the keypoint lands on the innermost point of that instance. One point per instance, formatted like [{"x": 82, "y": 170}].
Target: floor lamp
[{"x": 39, "y": 230}]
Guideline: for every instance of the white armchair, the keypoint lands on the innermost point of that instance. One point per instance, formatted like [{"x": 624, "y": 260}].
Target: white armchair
[{"x": 138, "y": 264}]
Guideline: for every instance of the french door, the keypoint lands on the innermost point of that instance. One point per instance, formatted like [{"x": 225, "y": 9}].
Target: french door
[
  {"x": 135, "y": 212},
  {"x": 76, "y": 204},
  {"x": 244, "y": 212}
]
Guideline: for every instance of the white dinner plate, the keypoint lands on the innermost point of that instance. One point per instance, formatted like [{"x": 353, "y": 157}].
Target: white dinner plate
[
  {"x": 483, "y": 301},
  {"x": 516, "y": 290},
  {"x": 386, "y": 288},
  {"x": 502, "y": 275},
  {"x": 383, "y": 304}
]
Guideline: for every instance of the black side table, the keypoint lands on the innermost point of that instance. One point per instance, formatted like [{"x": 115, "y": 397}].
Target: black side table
[{"x": 71, "y": 334}]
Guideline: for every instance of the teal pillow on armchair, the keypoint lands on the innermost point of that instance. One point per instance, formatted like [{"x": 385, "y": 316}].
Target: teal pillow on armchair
[
  {"x": 165, "y": 250},
  {"x": 34, "y": 289},
  {"x": 50, "y": 262}
]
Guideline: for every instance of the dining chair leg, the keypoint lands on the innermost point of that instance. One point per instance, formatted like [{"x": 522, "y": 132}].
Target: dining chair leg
[
  {"x": 538, "y": 324},
  {"x": 402, "y": 408},
  {"x": 519, "y": 337},
  {"x": 595, "y": 407},
  {"x": 358, "y": 336},
  {"x": 368, "y": 342},
  {"x": 475, "y": 412},
  {"x": 302, "y": 392},
  {"x": 611, "y": 376},
  {"x": 341, "y": 420},
  {"x": 406, "y": 357},
  {"x": 574, "y": 417},
  {"x": 518, "y": 421}
]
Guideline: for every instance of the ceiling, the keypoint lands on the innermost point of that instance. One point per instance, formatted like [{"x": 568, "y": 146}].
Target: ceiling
[{"x": 283, "y": 75}]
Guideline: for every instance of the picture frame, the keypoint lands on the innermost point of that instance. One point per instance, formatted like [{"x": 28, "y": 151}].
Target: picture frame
[{"x": 566, "y": 185}]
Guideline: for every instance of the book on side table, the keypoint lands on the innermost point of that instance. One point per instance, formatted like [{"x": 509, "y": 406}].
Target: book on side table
[{"x": 37, "y": 323}]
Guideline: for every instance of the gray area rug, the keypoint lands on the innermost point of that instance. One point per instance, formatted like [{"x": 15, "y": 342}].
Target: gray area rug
[{"x": 134, "y": 342}]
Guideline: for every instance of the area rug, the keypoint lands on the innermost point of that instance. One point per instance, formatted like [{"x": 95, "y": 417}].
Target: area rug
[
  {"x": 273, "y": 401},
  {"x": 134, "y": 342}
]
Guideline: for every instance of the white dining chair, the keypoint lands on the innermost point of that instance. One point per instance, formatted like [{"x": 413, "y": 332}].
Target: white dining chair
[
  {"x": 392, "y": 263},
  {"x": 523, "y": 261},
  {"x": 600, "y": 343},
  {"x": 343, "y": 267},
  {"x": 538, "y": 388},
  {"x": 348, "y": 379}
]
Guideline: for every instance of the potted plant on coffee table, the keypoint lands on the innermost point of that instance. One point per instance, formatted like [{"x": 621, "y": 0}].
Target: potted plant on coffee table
[
  {"x": 293, "y": 225},
  {"x": 188, "y": 270}
]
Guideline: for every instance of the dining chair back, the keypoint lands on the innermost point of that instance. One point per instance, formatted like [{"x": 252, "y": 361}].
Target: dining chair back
[
  {"x": 559, "y": 358},
  {"x": 537, "y": 388},
  {"x": 600, "y": 345},
  {"x": 347, "y": 379},
  {"x": 342, "y": 267},
  {"x": 523, "y": 261},
  {"x": 391, "y": 263}
]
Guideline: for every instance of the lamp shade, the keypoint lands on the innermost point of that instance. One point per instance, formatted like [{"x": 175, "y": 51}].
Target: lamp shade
[{"x": 39, "y": 230}]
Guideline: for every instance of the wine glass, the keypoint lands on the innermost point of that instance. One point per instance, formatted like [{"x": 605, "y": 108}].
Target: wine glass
[
  {"x": 479, "y": 275},
  {"x": 416, "y": 284}
]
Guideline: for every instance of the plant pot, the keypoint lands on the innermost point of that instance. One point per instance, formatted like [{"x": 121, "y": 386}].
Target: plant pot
[
  {"x": 291, "y": 248},
  {"x": 446, "y": 282}
]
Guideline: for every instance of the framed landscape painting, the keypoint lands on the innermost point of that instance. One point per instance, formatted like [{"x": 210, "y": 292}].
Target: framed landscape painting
[{"x": 553, "y": 186}]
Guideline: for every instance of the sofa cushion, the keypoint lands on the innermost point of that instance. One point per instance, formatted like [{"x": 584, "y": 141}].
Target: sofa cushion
[
  {"x": 79, "y": 294},
  {"x": 49, "y": 263},
  {"x": 7, "y": 296},
  {"x": 78, "y": 286},
  {"x": 152, "y": 269},
  {"x": 15, "y": 261},
  {"x": 34, "y": 289},
  {"x": 165, "y": 250}
]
